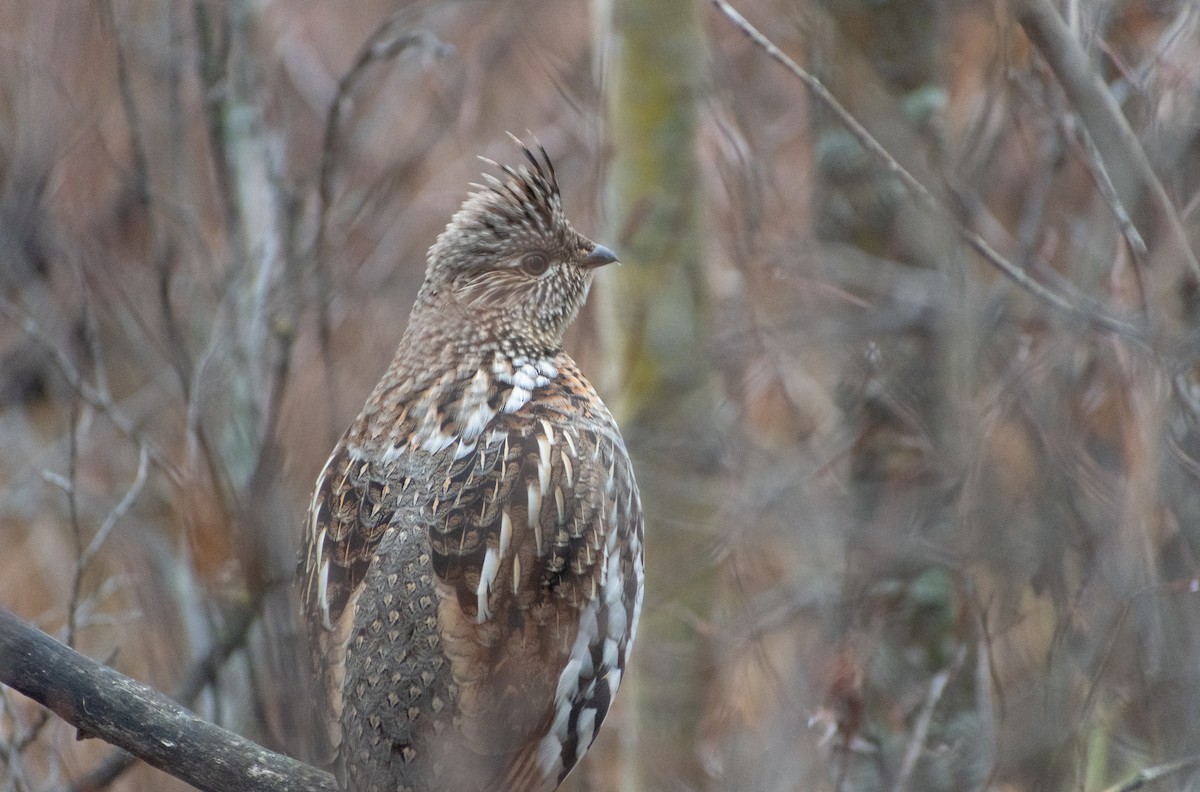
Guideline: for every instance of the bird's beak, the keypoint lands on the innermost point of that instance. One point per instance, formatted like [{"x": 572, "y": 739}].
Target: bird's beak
[{"x": 599, "y": 256}]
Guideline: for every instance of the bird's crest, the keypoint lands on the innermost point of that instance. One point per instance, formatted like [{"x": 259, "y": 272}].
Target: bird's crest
[{"x": 526, "y": 195}]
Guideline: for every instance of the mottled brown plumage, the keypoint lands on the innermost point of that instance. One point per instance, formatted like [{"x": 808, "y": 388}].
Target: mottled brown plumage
[{"x": 473, "y": 555}]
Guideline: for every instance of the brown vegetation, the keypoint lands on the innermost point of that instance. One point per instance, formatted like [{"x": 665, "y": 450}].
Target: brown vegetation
[{"x": 916, "y": 522}]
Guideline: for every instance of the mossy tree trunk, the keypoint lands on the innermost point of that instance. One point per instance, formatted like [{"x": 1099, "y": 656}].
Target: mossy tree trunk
[{"x": 657, "y": 370}]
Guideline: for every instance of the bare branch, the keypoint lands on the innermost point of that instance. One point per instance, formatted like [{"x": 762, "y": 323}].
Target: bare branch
[
  {"x": 90, "y": 394},
  {"x": 1156, "y": 773},
  {"x": 1109, "y": 191},
  {"x": 1091, "y": 314},
  {"x": 937, "y": 686},
  {"x": 1119, "y": 147},
  {"x": 22, "y": 737},
  {"x": 387, "y": 41},
  {"x": 202, "y": 673},
  {"x": 141, "y": 170},
  {"x": 118, "y": 511},
  {"x": 103, "y": 703},
  {"x": 76, "y": 527}
]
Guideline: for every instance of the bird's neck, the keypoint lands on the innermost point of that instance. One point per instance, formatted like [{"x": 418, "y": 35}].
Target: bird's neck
[
  {"x": 443, "y": 340},
  {"x": 443, "y": 388}
]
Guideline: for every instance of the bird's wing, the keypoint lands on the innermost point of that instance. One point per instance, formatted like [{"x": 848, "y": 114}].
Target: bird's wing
[
  {"x": 536, "y": 539},
  {"x": 534, "y": 533},
  {"x": 352, "y": 506},
  {"x": 348, "y": 516}
]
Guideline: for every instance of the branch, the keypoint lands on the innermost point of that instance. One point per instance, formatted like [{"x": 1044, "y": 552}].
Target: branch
[
  {"x": 201, "y": 674},
  {"x": 1084, "y": 310},
  {"x": 102, "y": 703},
  {"x": 389, "y": 40},
  {"x": 937, "y": 686},
  {"x": 1151, "y": 774},
  {"x": 1118, "y": 145}
]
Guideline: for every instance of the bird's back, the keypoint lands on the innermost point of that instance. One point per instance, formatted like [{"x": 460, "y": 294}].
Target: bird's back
[{"x": 475, "y": 559}]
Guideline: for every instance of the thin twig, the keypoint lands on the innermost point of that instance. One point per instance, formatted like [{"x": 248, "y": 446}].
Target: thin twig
[
  {"x": 120, "y": 510},
  {"x": 161, "y": 243},
  {"x": 1149, "y": 774},
  {"x": 33, "y": 732},
  {"x": 916, "y": 744},
  {"x": 76, "y": 527},
  {"x": 1186, "y": 586},
  {"x": 1108, "y": 191},
  {"x": 91, "y": 395},
  {"x": 141, "y": 176},
  {"x": 91, "y": 337},
  {"x": 386, "y": 42},
  {"x": 1118, "y": 145},
  {"x": 818, "y": 89},
  {"x": 1091, "y": 314},
  {"x": 213, "y": 44},
  {"x": 10, "y": 750}
]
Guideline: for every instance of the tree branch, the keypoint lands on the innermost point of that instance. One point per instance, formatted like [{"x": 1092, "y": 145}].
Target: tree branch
[
  {"x": 1119, "y": 147},
  {"x": 1085, "y": 310},
  {"x": 201, "y": 674},
  {"x": 102, "y": 703}
]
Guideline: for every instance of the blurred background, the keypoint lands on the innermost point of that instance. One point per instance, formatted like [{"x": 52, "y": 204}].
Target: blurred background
[{"x": 910, "y": 526}]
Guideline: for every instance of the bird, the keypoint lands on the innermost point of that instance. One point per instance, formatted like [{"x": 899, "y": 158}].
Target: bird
[{"x": 472, "y": 567}]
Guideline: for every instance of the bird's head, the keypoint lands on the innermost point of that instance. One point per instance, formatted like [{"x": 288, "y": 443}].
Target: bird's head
[{"x": 511, "y": 262}]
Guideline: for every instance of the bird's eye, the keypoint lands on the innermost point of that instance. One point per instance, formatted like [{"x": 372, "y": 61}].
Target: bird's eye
[{"x": 535, "y": 264}]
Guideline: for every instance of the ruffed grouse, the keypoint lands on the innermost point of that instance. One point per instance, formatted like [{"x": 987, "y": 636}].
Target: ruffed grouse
[{"x": 473, "y": 555}]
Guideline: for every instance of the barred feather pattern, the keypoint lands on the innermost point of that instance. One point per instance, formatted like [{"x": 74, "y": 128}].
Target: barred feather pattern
[{"x": 473, "y": 569}]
